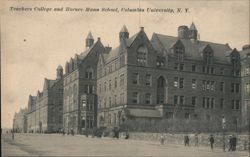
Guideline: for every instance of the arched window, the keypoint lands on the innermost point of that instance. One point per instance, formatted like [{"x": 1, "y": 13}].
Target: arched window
[
  {"x": 89, "y": 73},
  {"x": 142, "y": 56},
  {"x": 161, "y": 90}
]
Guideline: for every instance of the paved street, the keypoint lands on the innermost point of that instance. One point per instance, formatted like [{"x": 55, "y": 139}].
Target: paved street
[{"x": 58, "y": 145}]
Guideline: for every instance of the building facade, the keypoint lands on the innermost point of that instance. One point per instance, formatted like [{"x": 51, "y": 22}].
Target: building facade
[
  {"x": 146, "y": 82},
  {"x": 20, "y": 121},
  {"x": 80, "y": 99},
  {"x": 165, "y": 83},
  {"x": 245, "y": 86},
  {"x": 45, "y": 110}
]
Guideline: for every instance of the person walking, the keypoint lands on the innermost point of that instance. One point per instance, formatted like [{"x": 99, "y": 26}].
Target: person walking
[
  {"x": 186, "y": 140},
  {"x": 230, "y": 143},
  {"x": 211, "y": 139},
  {"x": 196, "y": 140},
  {"x": 162, "y": 139}
]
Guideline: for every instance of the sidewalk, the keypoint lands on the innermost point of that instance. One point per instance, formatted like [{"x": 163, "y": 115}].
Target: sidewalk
[{"x": 9, "y": 149}]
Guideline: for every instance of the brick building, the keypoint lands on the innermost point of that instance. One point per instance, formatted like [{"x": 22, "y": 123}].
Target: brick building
[
  {"x": 146, "y": 83},
  {"x": 79, "y": 99},
  {"x": 20, "y": 121},
  {"x": 245, "y": 85},
  {"x": 45, "y": 109},
  {"x": 164, "y": 83}
]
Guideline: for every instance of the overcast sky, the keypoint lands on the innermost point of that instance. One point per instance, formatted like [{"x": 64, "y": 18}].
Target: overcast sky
[{"x": 33, "y": 44}]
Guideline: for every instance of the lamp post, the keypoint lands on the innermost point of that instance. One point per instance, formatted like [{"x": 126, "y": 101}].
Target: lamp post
[{"x": 223, "y": 128}]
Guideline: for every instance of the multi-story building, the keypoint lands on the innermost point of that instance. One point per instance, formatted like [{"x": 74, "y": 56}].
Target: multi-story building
[
  {"x": 245, "y": 86},
  {"x": 45, "y": 110},
  {"x": 20, "y": 121},
  {"x": 164, "y": 83},
  {"x": 79, "y": 99},
  {"x": 145, "y": 82}
]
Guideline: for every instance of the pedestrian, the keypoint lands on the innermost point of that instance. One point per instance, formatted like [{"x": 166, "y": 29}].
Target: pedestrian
[
  {"x": 211, "y": 140},
  {"x": 72, "y": 131},
  {"x": 234, "y": 142},
  {"x": 230, "y": 143},
  {"x": 196, "y": 140},
  {"x": 63, "y": 131},
  {"x": 162, "y": 139},
  {"x": 186, "y": 140}
]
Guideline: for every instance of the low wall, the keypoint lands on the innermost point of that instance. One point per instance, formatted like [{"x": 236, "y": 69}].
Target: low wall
[{"x": 242, "y": 140}]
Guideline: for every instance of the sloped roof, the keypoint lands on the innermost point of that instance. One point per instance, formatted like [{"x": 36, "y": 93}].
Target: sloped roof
[
  {"x": 130, "y": 40},
  {"x": 244, "y": 53},
  {"x": 90, "y": 36},
  {"x": 192, "y": 27},
  {"x": 124, "y": 29},
  {"x": 144, "y": 113},
  {"x": 192, "y": 49}
]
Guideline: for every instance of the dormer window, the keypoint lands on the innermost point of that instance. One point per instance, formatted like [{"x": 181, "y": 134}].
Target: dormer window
[
  {"x": 208, "y": 57},
  {"x": 179, "y": 53},
  {"x": 208, "y": 54},
  {"x": 89, "y": 73},
  {"x": 142, "y": 56}
]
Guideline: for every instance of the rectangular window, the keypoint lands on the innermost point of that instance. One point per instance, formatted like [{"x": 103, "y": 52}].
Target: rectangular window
[
  {"x": 135, "y": 97},
  {"x": 247, "y": 71},
  {"x": 207, "y": 69},
  {"x": 86, "y": 89},
  {"x": 237, "y": 104},
  {"x": 208, "y": 85},
  {"x": 176, "y": 82},
  {"x": 237, "y": 87},
  {"x": 193, "y": 83},
  {"x": 247, "y": 87},
  {"x": 175, "y": 100},
  {"x": 100, "y": 88},
  {"x": 221, "y": 103},
  {"x": 115, "y": 82},
  {"x": 221, "y": 71},
  {"x": 207, "y": 103},
  {"x": 176, "y": 65},
  {"x": 222, "y": 86},
  {"x": 232, "y": 104},
  {"x": 203, "y": 102},
  {"x": 232, "y": 87},
  {"x": 148, "y": 80},
  {"x": 105, "y": 86},
  {"x": 212, "y": 85},
  {"x": 203, "y": 84},
  {"x": 181, "y": 100},
  {"x": 110, "y": 102},
  {"x": 121, "y": 79},
  {"x": 203, "y": 69},
  {"x": 194, "y": 101},
  {"x": 212, "y": 102},
  {"x": 212, "y": 70},
  {"x": 181, "y": 67},
  {"x": 135, "y": 78},
  {"x": 122, "y": 98},
  {"x": 193, "y": 68},
  {"x": 148, "y": 98},
  {"x": 181, "y": 82},
  {"x": 109, "y": 84},
  {"x": 115, "y": 100}
]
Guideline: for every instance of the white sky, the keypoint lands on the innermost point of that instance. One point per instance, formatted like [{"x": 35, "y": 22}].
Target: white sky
[{"x": 52, "y": 38}]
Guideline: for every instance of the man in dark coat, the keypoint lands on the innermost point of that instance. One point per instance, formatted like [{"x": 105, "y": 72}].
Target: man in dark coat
[
  {"x": 186, "y": 140},
  {"x": 211, "y": 140}
]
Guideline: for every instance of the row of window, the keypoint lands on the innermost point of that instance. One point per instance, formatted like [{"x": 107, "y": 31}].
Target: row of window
[{"x": 170, "y": 115}]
